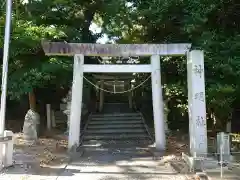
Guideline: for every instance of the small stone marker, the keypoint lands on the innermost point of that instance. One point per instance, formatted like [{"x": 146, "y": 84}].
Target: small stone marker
[
  {"x": 30, "y": 127},
  {"x": 223, "y": 146}
]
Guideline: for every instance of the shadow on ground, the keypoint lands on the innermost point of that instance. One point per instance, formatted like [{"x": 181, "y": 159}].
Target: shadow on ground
[{"x": 107, "y": 164}]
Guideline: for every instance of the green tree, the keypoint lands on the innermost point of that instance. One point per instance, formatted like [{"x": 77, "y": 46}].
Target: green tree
[{"x": 212, "y": 26}]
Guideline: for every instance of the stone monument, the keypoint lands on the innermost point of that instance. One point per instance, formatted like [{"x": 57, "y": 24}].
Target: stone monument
[{"x": 31, "y": 125}]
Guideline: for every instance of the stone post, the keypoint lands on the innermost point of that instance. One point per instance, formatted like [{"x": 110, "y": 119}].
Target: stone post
[
  {"x": 49, "y": 116},
  {"x": 196, "y": 103}
]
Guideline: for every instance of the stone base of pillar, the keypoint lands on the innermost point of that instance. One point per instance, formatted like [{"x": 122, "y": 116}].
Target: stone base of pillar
[{"x": 157, "y": 154}]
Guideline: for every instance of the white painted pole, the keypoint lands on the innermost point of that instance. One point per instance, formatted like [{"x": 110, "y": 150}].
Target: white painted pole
[
  {"x": 221, "y": 161},
  {"x": 49, "y": 123},
  {"x": 3, "y": 151},
  {"x": 5, "y": 66},
  {"x": 221, "y": 153},
  {"x": 158, "y": 103},
  {"x": 76, "y": 104}
]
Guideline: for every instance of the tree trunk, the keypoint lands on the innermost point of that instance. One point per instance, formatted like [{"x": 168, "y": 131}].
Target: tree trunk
[{"x": 32, "y": 100}]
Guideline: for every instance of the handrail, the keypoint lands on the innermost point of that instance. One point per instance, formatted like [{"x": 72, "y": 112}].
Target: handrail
[
  {"x": 146, "y": 127},
  {"x": 85, "y": 128}
]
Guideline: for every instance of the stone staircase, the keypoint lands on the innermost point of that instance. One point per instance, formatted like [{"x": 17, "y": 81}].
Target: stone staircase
[{"x": 116, "y": 130}]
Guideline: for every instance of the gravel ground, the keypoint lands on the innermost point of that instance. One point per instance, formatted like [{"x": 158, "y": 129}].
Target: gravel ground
[
  {"x": 33, "y": 160},
  {"x": 119, "y": 165},
  {"x": 48, "y": 160}
]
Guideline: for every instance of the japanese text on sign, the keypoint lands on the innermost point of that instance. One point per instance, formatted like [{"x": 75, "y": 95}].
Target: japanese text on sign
[
  {"x": 200, "y": 121},
  {"x": 199, "y": 96},
  {"x": 198, "y": 70}
]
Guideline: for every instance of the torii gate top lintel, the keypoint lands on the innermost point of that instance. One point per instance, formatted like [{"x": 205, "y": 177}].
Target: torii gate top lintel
[{"x": 87, "y": 49}]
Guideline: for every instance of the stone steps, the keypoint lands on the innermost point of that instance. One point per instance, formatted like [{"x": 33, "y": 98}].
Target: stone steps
[
  {"x": 112, "y": 118},
  {"x": 117, "y": 115},
  {"x": 115, "y": 131},
  {"x": 116, "y": 137},
  {"x": 119, "y": 143},
  {"x": 105, "y": 122},
  {"x": 119, "y": 150},
  {"x": 116, "y": 126}
]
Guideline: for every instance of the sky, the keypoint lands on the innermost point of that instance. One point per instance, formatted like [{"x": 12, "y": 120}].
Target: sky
[{"x": 96, "y": 29}]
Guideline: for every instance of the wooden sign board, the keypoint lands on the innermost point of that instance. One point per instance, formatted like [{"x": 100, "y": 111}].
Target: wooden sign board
[{"x": 70, "y": 49}]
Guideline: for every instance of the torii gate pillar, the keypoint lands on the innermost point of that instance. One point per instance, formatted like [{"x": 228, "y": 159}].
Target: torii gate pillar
[
  {"x": 76, "y": 104},
  {"x": 160, "y": 141}
]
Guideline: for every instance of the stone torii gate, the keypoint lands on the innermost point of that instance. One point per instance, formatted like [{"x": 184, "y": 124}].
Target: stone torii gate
[{"x": 195, "y": 77}]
